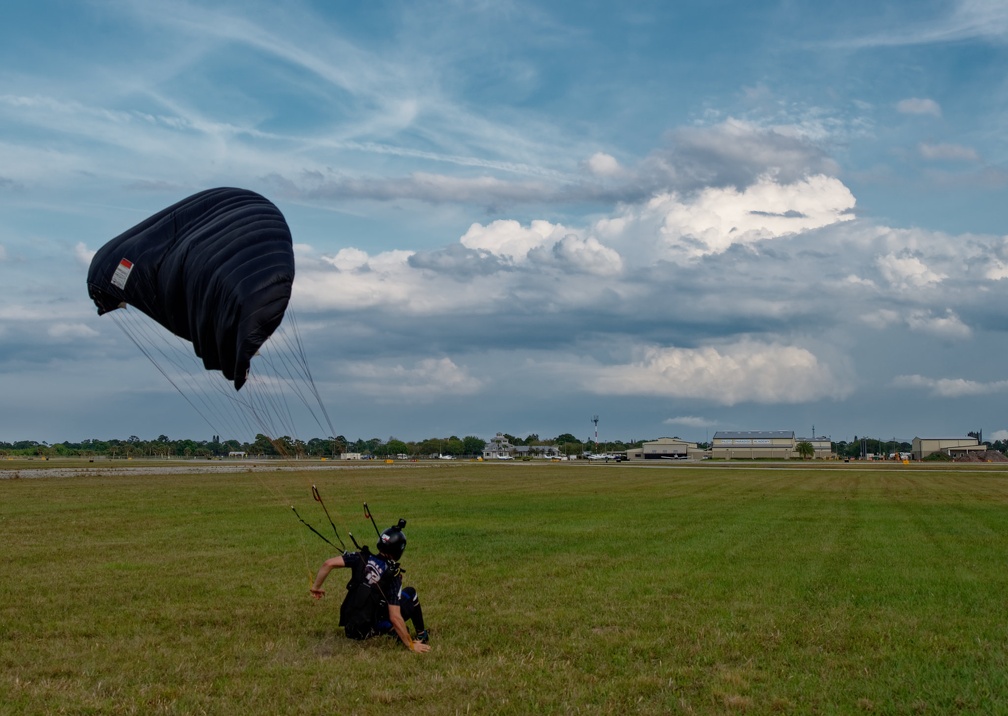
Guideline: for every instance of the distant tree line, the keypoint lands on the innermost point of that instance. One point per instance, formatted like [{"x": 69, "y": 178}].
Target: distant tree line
[
  {"x": 468, "y": 446},
  {"x": 165, "y": 447}
]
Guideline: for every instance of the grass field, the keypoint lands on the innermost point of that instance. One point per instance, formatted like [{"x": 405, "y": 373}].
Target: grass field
[{"x": 548, "y": 588}]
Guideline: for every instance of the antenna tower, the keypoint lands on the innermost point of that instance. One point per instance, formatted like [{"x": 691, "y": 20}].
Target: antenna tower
[{"x": 595, "y": 420}]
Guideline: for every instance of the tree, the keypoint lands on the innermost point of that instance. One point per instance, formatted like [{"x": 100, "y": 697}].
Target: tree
[
  {"x": 805, "y": 450},
  {"x": 431, "y": 447},
  {"x": 396, "y": 447},
  {"x": 392, "y": 448},
  {"x": 263, "y": 445},
  {"x": 472, "y": 445},
  {"x": 454, "y": 446}
]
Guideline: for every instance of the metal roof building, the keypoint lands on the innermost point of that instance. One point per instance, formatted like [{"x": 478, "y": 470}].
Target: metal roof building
[
  {"x": 772, "y": 444},
  {"x": 922, "y": 447},
  {"x": 667, "y": 449},
  {"x": 753, "y": 444}
]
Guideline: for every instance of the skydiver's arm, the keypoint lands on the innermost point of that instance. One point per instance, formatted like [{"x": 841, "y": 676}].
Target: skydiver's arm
[
  {"x": 395, "y": 616},
  {"x": 327, "y": 566}
]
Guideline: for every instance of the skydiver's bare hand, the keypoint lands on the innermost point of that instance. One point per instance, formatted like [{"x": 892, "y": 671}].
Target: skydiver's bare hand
[
  {"x": 419, "y": 647},
  {"x": 317, "y": 593}
]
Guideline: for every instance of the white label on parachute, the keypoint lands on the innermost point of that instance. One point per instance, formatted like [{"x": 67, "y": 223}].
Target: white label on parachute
[{"x": 122, "y": 273}]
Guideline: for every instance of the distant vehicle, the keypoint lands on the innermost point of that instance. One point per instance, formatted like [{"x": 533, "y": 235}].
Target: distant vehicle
[
  {"x": 505, "y": 456},
  {"x": 445, "y": 457}
]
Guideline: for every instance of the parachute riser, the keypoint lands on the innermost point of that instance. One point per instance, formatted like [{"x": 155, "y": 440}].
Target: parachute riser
[
  {"x": 322, "y": 536},
  {"x": 318, "y": 499},
  {"x": 367, "y": 513}
]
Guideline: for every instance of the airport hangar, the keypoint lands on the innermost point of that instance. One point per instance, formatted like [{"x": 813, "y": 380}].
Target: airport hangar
[
  {"x": 922, "y": 447},
  {"x": 772, "y": 444},
  {"x": 779, "y": 445},
  {"x": 748, "y": 445}
]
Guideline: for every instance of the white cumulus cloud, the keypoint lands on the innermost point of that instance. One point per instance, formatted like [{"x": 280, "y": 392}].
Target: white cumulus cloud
[
  {"x": 880, "y": 318},
  {"x": 356, "y": 280},
  {"x": 82, "y": 254},
  {"x": 716, "y": 218},
  {"x": 587, "y": 255},
  {"x": 996, "y": 270},
  {"x": 745, "y": 371},
  {"x": 943, "y": 326},
  {"x": 509, "y": 239},
  {"x": 603, "y": 165},
  {"x": 905, "y": 271}
]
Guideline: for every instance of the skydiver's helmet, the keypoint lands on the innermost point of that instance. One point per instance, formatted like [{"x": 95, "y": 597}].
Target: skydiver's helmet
[{"x": 392, "y": 541}]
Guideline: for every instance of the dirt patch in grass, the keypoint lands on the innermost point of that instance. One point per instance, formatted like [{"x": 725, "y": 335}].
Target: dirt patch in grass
[{"x": 985, "y": 456}]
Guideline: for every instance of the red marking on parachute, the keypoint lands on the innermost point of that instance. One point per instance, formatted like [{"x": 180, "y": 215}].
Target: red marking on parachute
[{"x": 126, "y": 263}]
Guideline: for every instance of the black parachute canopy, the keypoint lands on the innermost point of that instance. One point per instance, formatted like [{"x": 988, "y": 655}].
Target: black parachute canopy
[{"x": 215, "y": 269}]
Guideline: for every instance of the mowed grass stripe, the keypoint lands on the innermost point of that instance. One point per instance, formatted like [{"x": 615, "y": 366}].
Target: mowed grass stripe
[{"x": 549, "y": 589}]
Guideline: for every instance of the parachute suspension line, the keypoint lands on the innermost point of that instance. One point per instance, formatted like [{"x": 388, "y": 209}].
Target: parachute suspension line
[
  {"x": 278, "y": 370},
  {"x": 214, "y": 393},
  {"x": 240, "y": 406},
  {"x": 264, "y": 404},
  {"x": 190, "y": 379},
  {"x": 135, "y": 332},
  {"x": 273, "y": 397},
  {"x": 212, "y": 398},
  {"x": 260, "y": 407},
  {"x": 251, "y": 401},
  {"x": 274, "y": 357},
  {"x": 280, "y": 362},
  {"x": 291, "y": 355},
  {"x": 299, "y": 344}
]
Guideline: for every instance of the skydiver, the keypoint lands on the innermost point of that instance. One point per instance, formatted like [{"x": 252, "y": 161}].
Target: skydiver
[{"x": 376, "y": 602}]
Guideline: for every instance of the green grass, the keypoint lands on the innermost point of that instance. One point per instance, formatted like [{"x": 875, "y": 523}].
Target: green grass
[{"x": 548, "y": 589}]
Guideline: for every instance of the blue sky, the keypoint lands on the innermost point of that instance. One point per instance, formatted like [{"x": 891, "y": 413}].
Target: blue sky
[{"x": 682, "y": 217}]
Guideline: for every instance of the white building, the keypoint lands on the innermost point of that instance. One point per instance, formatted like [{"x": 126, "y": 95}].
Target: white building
[{"x": 498, "y": 447}]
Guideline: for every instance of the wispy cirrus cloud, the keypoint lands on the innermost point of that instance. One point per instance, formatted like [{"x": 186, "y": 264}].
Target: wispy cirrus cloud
[
  {"x": 947, "y": 152},
  {"x": 919, "y": 105},
  {"x": 985, "y": 20}
]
